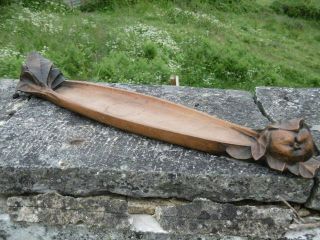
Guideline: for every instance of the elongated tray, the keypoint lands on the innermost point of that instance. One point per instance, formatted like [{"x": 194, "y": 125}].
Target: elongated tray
[
  {"x": 285, "y": 145},
  {"x": 150, "y": 116}
]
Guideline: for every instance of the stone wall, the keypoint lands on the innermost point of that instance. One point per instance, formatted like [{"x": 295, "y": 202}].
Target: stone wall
[
  {"x": 65, "y": 176},
  {"x": 75, "y": 3}
]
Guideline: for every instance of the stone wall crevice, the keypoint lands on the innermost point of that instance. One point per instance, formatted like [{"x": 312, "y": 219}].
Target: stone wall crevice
[{"x": 260, "y": 107}]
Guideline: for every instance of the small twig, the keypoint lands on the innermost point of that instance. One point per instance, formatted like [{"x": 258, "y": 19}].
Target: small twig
[
  {"x": 314, "y": 218},
  {"x": 295, "y": 220},
  {"x": 304, "y": 226},
  {"x": 292, "y": 208}
]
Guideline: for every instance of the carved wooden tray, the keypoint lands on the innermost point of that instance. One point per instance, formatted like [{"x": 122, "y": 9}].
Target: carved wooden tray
[{"x": 285, "y": 145}]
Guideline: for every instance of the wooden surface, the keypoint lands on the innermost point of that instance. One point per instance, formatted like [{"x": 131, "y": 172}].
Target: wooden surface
[{"x": 151, "y": 117}]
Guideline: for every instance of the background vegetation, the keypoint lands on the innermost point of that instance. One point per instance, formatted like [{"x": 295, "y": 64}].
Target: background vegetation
[{"x": 209, "y": 43}]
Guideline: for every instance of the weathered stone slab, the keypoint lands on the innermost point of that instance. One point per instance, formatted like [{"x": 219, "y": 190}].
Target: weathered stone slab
[
  {"x": 54, "y": 209},
  {"x": 287, "y": 103},
  {"x": 206, "y": 217},
  {"x": 52, "y": 216},
  {"x": 201, "y": 218},
  {"x": 44, "y": 147},
  {"x": 8, "y": 105},
  {"x": 17, "y": 231}
]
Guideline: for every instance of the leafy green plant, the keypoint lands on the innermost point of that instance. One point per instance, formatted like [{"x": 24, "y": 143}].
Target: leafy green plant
[
  {"x": 4, "y": 2},
  {"x": 150, "y": 50},
  {"x": 224, "y": 44},
  {"x": 298, "y": 8}
]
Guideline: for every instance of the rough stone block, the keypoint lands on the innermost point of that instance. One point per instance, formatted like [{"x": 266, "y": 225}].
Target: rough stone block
[
  {"x": 54, "y": 209},
  {"x": 206, "y": 217},
  {"x": 44, "y": 147},
  {"x": 286, "y": 103},
  {"x": 17, "y": 231},
  {"x": 107, "y": 215},
  {"x": 21, "y": 231}
]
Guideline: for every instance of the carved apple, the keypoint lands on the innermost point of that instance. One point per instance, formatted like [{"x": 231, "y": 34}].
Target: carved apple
[{"x": 288, "y": 145}]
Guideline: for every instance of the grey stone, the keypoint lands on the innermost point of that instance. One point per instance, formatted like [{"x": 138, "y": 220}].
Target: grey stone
[
  {"x": 3, "y": 204},
  {"x": 52, "y": 216},
  {"x": 10, "y": 230},
  {"x": 54, "y": 209},
  {"x": 314, "y": 200},
  {"x": 20, "y": 231},
  {"x": 287, "y": 103},
  {"x": 9, "y": 105},
  {"x": 73, "y": 3},
  {"x": 206, "y": 217},
  {"x": 145, "y": 223},
  {"x": 306, "y": 234},
  {"x": 45, "y": 147}
]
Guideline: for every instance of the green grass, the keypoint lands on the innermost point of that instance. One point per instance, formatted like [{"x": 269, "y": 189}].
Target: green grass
[
  {"x": 308, "y": 9},
  {"x": 236, "y": 44}
]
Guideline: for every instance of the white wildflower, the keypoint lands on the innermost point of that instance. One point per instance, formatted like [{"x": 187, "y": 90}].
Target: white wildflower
[
  {"x": 209, "y": 79},
  {"x": 89, "y": 23},
  {"x": 44, "y": 50},
  {"x": 200, "y": 16},
  {"x": 47, "y": 22},
  {"x": 173, "y": 66},
  {"x": 251, "y": 72},
  {"x": 154, "y": 34},
  {"x": 7, "y": 53}
]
